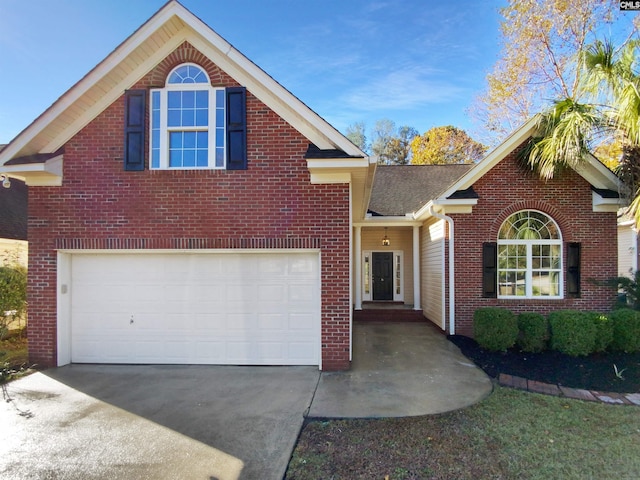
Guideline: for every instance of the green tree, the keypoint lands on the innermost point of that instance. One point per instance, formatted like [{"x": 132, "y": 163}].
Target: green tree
[
  {"x": 540, "y": 41},
  {"x": 445, "y": 145},
  {"x": 610, "y": 86},
  {"x": 356, "y": 133},
  {"x": 390, "y": 144}
]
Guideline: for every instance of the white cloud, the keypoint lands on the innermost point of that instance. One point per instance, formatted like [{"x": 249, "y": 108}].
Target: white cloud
[{"x": 408, "y": 87}]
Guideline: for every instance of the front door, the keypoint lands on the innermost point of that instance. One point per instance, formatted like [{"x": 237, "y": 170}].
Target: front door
[{"x": 382, "y": 276}]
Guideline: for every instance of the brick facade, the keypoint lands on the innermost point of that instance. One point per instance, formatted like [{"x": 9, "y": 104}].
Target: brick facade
[
  {"x": 506, "y": 189},
  {"x": 272, "y": 204}
]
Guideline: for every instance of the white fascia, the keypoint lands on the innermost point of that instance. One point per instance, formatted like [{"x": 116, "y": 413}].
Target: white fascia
[
  {"x": 602, "y": 204},
  {"x": 45, "y": 174}
]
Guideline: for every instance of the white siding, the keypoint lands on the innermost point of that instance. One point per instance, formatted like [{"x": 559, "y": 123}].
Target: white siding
[
  {"x": 627, "y": 250},
  {"x": 432, "y": 270}
]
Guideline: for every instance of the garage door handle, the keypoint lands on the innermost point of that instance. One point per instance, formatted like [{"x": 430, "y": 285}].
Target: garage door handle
[{"x": 131, "y": 320}]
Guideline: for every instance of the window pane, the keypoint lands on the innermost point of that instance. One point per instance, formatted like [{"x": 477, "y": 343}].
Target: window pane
[
  {"x": 175, "y": 140},
  {"x": 219, "y": 157},
  {"x": 220, "y": 99},
  {"x": 202, "y": 118},
  {"x": 202, "y": 158},
  {"x": 174, "y": 100},
  {"x": 188, "y": 99},
  {"x": 175, "y": 158},
  {"x": 174, "y": 118},
  {"x": 189, "y": 158},
  {"x": 202, "y": 99},
  {"x": 155, "y": 158},
  {"x": 188, "y": 118},
  {"x": 189, "y": 140},
  {"x": 202, "y": 139},
  {"x": 219, "y": 117},
  {"x": 219, "y": 137}
]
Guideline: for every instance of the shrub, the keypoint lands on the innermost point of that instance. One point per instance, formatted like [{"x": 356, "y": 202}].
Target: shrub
[
  {"x": 495, "y": 329},
  {"x": 604, "y": 331},
  {"x": 13, "y": 294},
  {"x": 572, "y": 332},
  {"x": 626, "y": 330},
  {"x": 533, "y": 332}
]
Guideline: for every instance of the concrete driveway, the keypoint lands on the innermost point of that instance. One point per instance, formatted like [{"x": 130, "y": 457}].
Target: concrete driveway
[
  {"x": 153, "y": 422},
  {"x": 219, "y": 422}
]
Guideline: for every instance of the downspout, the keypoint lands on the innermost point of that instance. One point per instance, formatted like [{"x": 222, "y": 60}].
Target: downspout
[{"x": 452, "y": 297}]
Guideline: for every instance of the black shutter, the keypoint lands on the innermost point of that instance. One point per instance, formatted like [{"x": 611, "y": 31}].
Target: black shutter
[
  {"x": 134, "y": 129},
  {"x": 490, "y": 269},
  {"x": 236, "y": 128},
  {"x": 573, "y": 269}
]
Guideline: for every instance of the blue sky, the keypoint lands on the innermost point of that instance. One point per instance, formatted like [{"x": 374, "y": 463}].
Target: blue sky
[{"x": 416, "y": 62}]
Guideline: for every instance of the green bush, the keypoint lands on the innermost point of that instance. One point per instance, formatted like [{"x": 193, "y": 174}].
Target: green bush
[
  {"x": 626, "y": 330},
  {"x": 13, "y": 294},
  {"x": 495, "y": 329},
  {"x": 533, "y": 332},
  {"x": 572, "y": 332},
  {"x": 604, "y": 331}
]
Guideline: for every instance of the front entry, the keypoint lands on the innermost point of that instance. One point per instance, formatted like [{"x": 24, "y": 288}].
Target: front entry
[{"x": 382, "y": 275}]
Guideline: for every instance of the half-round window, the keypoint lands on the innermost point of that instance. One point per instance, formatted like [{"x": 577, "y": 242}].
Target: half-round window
[
  {"x": 529, "y": 256},
  {"x": 187, "y": 73}
]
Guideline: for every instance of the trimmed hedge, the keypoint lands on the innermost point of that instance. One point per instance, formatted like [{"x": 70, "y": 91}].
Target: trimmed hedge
[
  {"x": 572, "y": 332},
  {"x": 534, "y": 332},
  {"x": 495, "y": 329},
  {"x": 626, "y": 330},
  {"x": 604, "y": 331}
]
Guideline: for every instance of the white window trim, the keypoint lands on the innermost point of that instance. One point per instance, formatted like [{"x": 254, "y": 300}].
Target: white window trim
[
  {"x": 529, "y": 258},
  {"x": 397, "y": 297},
  {"x": 165, "y": 129}
]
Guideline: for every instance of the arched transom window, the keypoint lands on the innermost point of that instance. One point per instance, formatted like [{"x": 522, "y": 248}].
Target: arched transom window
[
  {"x": 529, "y": 256},
  {"x": 188, "y": 121}
]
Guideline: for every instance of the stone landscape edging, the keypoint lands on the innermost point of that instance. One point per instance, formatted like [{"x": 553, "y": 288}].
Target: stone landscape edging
[{"x": 573, "y": 393}]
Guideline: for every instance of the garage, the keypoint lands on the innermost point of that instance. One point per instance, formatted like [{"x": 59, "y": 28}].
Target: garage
[{"x": 243, "y": 308}]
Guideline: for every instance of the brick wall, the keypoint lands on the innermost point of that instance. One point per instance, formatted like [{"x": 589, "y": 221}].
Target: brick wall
[
  {"x": 567, "y": 198},
  {"x": 271, "y": 203}
]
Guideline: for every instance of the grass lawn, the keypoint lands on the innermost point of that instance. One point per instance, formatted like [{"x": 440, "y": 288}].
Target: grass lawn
[{"x": 511, "y": 434}]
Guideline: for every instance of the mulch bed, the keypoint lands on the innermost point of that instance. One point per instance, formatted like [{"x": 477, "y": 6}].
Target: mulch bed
[{"x": 593, "y": 372}]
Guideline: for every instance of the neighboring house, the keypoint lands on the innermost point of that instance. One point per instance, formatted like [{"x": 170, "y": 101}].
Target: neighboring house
[
  {"x": 13, "y": 222},
  {"x": 186, "y": 208},
  {"x": 627, "y": 245}
]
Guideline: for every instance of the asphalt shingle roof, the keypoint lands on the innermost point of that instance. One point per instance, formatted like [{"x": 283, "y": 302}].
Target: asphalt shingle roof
[{"x": 401, "y": 189}]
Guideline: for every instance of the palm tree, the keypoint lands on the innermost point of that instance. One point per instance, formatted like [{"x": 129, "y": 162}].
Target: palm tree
[{"x": 610, "y": 87}]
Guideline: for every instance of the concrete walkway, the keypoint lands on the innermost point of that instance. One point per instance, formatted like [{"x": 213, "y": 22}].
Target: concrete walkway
[
  {"x": 217, "y": 422},
  {"x": 399, "y": 370}
]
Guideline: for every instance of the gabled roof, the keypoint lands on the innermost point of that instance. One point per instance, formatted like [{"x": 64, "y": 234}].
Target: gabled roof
[
  {"x": 171, "y": 26},
  {"x": 13, "y": 211},
  {"x": 402, "y": 189},
  {"x": 591, "y": 169}
]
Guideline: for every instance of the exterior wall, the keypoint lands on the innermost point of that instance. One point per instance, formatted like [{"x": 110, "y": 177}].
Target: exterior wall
[
  {"x": 400, "y": 239},
  {"x": 627, "y": 250},
  {"x": 432, "y": 268},
  {"x": 567, "y": 198},
  {"x": 270, "y": 205}
]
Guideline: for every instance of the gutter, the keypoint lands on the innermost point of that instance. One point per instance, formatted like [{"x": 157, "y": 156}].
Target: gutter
[{"x": 452, "y": 297}]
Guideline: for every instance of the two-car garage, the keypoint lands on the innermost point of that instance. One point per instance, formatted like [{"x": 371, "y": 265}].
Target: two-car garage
[{"x": 189, "y": 307}]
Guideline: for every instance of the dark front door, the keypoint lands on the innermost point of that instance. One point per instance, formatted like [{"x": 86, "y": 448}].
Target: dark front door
[{"x": 382, "y": 274}]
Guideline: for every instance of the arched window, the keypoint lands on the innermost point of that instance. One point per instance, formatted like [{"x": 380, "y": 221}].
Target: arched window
[
  {"x": 529, "y": 256},
  {"x": 188, "y": 121}
]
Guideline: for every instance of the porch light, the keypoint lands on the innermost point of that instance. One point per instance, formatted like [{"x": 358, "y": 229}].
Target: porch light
[
  {"x": 6, "y": 183},
  {"x": 385, "y": 240}
]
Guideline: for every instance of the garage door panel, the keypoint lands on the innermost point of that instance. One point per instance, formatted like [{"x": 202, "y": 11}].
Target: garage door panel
[{"x": 260, "y": 308}]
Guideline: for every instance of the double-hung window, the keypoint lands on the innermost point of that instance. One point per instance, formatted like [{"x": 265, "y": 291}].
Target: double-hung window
[
  {"x": 196, "y": 126},
  {"x": 529, "y": 257}
]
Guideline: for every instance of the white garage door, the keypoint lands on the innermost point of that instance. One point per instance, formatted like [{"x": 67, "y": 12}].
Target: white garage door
[{"x": 196, "y": 308}]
